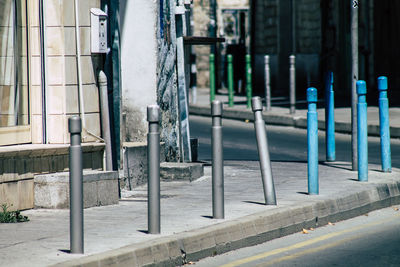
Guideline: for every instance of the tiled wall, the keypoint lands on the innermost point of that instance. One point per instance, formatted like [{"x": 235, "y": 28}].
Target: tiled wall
[
  {"x": 61, "y": 64},
  {"x": 35, "y": 72}
]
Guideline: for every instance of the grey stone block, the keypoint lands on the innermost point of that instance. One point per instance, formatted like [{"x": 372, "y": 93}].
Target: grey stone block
[
  {"x": 170, "y": 171},
  {"x": 99, "y": 189},
  {"x": 135, "y": 164}
]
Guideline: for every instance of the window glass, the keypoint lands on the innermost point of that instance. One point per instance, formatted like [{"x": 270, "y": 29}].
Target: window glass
[{"x": 14, "y": 107}]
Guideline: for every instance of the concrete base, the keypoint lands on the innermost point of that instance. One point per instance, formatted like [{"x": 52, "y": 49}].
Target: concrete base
[
  {"x": 20, "y": 163},
  {"x": 135, "y": 164},
  {"x": 99, "y": 189},
  {"x": 170, "y": 171},
  {"x": 17, "y": 194}
]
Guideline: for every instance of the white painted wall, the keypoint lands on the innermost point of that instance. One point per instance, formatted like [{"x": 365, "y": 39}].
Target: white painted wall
[{"x": 138, "y": 64}]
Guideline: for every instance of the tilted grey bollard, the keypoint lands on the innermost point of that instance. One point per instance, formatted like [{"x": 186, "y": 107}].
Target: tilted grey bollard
[
  {"x": 217, "y": 161},
  {"x": 153, "y": 165},
  {"x": 263, "y": 152},
  {"x": 75, "y": 186}
]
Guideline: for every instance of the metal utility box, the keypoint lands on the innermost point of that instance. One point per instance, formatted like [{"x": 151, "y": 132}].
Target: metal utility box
[{"x": 98, "y": 25}]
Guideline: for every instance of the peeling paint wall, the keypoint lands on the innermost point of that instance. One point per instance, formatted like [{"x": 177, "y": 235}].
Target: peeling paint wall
[
  {"x": 148, "y": 71},
  {"x": 139, "y": 51}
]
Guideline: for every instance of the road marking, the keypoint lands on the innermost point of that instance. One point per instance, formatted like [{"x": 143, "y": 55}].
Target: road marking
[
  {"x": 308, "y": 251},
  {"x": 304, "y": 243}
]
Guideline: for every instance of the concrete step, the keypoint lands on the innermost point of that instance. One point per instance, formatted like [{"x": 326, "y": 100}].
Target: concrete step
[
  {"x": 135, "y": 164},
  {"x": 173, "y": 171},
  {"x": 100, "y": 188}
]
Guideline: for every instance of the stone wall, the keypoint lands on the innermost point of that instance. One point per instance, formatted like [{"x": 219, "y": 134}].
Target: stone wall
[
  {"x": 167, "y": 91},
  {"x": 273, "y": 32},
  {"x": 266, "y": 26},
  {"x": 308, "y": 26},
  {"x": 265, "y": 39}
]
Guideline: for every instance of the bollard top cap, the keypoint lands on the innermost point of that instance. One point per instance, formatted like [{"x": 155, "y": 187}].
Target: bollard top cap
[
  {"x": 216, "y": 108},
  {"x": 382, "y": 83},
  {"x": 153, "y": 113},
  {"x": 102, "y": 77},
  {"x": 256, "y": 104},
  {"x": 292, "y": 59},
  {"x": 212, "y": 56},
  {"x": 74, "y": 125},
  {"x": 330, "y": 76},
  {"x": 248, "y": 58},
  {"x": 329, "y": 81},
  {"x": 230, "y": 58},
  {"x": 361, "y": 87},
  {"x": 312, "y": 95}
]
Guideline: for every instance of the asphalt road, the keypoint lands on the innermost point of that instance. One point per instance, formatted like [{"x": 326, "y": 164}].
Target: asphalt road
[
  {"x": 285, "y": 143},
  {"x": 372, "y": 240}
]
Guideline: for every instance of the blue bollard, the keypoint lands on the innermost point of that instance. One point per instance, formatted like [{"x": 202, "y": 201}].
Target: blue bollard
[
  {"x": 330, "y": 119},
  {"x": 362, "y": 132},
  {"x": 384, "y": 124},
  {"x": 312, "y": 141}
]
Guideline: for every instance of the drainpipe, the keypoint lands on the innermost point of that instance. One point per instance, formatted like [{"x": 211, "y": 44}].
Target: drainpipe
[{"x": 43, "y": 70}]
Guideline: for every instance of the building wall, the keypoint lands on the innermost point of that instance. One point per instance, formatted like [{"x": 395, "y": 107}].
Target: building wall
[
  {"x": 280, "y": 29},
  {"x": 265, "y": 37},
  {"x": 201, "y": 18},
  {"x": 138, "y": 65},
  {"x": 61, "y": 72},
  {"x": 148, "y": 71},
  {"x": 308, "y": 26},
  {"x": 19, "y": 164}
]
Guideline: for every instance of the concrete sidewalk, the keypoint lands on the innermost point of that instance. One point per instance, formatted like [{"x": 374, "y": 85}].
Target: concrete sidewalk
[
  {"x": 280, "y": 115},
  {"x": 116, "y": 235}
]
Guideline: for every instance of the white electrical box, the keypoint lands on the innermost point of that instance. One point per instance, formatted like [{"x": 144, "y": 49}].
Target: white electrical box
[{"x": 98, "y": 25}]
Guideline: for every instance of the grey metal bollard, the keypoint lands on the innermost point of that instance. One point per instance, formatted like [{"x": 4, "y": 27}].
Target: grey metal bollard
[
  {"x": 292, "y": 70},
  {"x": 217, "y": 161},
  {"x": 267, "y": 84},
  {"x": 75, "y": 186},
  {"x": 263, "y": 152},
  {"x": 153, "y": 166}
]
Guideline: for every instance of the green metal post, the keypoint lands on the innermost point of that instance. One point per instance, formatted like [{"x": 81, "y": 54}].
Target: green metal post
[
  {"x": 249, "y": 89},
  {"x": 212, "y": 78},
  {"x": 230, "y": 80}
]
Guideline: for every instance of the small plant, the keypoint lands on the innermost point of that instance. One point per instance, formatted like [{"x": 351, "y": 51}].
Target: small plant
[{"x": 7, "y": 216}]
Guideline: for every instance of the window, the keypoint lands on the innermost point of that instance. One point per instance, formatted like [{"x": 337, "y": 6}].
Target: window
[{"x": 14, "y": 97}]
